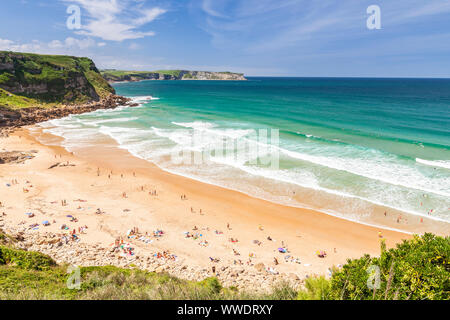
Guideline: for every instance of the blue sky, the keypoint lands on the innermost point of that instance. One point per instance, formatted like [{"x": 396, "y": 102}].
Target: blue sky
[{"x": 257, "y": 37}]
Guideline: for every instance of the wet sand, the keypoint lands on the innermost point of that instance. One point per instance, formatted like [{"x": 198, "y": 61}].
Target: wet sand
[{"x": 121, "y": 185}]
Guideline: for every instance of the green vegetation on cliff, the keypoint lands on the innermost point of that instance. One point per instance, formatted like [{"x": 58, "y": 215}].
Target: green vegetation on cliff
[
  {"x": 13, "y": 101},
  {"x": 33, "y": 80}
]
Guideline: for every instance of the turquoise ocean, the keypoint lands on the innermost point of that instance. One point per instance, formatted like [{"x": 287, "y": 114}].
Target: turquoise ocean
[{"x": 352, "y": 148}]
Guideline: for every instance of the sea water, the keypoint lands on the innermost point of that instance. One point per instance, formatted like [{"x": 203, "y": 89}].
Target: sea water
[{"x": 348, "y": 147}]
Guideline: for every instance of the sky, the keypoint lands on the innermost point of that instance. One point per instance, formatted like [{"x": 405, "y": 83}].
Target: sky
[{"x": 305, "y": 38}]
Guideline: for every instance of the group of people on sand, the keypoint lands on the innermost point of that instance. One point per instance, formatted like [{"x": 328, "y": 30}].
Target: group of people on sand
[
  {"x": 399, "y": 217},
  {"x": 123, "y": 248},
  {"x": 165, "y": 255},
  {"x": 193, "y": 211}
]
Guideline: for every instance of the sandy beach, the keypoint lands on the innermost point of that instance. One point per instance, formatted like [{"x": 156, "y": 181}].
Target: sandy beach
[{"x": 110, "y": 192}]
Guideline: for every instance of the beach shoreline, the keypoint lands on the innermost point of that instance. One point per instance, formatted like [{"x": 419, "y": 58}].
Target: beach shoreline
[{"x": 122, "y": 187}]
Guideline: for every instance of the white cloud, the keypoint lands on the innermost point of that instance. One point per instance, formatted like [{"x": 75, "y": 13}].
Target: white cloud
[
  {"x": 80, "y": 43},
  {"x": 52, "y": 47},
  {"x": 260, "y": 26},
  {"x": 134, "y": 46},
  {"x": 5, "y": 43},
  {"x": 115, "y": 20}
]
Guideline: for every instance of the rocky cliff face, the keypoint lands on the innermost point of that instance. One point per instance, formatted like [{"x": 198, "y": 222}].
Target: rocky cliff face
[
  {"x": 119, "y": 76},
  {"x": 60, "y": 79},
  {"x": 207, "y": 75}
]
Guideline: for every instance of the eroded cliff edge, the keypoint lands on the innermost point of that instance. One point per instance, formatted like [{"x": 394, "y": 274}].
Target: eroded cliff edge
[{"x": 36, "y": 88}]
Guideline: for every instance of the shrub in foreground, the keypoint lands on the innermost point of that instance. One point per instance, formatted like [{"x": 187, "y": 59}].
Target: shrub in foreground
[
  {"x": 25, "y": 259},
  {"x": 417, "y": 269}
]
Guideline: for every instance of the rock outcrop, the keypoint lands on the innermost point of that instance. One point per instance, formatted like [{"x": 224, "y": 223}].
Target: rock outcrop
[
  {"x": 207, "y": 75},
  {"x": 28, "y": 116},
  {"x": 15, "y": 156}
]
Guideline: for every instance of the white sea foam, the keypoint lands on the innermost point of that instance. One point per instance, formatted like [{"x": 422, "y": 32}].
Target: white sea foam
[
  {"x": 142, "y": 99},
  {"x": 113, "y": 120},
  {"x": 380, "y": 168},
  {"x": 436, "y": 163},
  {"x": 370, "y": 164},
  {"x": 151, "y": 143},
  {"x": 199, "y": 125}
]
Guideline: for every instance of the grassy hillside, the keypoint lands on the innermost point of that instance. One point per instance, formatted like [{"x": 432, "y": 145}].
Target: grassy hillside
[
  {"x": 175, "y": 73},
  {"x": 417, "y": 269},
  {"x": 13, "y": 101},
  {"x": 28, "y": 79},
  {"x": 32, "y": 275}
]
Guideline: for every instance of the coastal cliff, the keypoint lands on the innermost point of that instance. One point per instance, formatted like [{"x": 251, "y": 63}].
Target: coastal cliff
[
  {"x": 32, "y": 79},
  {"x": 36, "y": 88},
  {"x": 120, "y": 76}
]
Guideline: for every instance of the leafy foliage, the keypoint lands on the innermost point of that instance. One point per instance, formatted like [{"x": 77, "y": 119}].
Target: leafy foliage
[
  {"x": 25, "y": 259},
  {"x": 317, "y": 288},
  {"x": 416, "y": 269}
]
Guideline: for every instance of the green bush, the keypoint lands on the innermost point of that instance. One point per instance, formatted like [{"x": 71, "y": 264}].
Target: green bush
[
  {"x": 317, "y": 288},
  {"x": 416, "y": 269},
  {"x": 211, "y": 284},
  {"x": 25, "y": 259}
]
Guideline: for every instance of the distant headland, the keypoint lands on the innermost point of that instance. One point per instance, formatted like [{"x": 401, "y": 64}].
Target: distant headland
[{"x": 112, "y": 75}]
